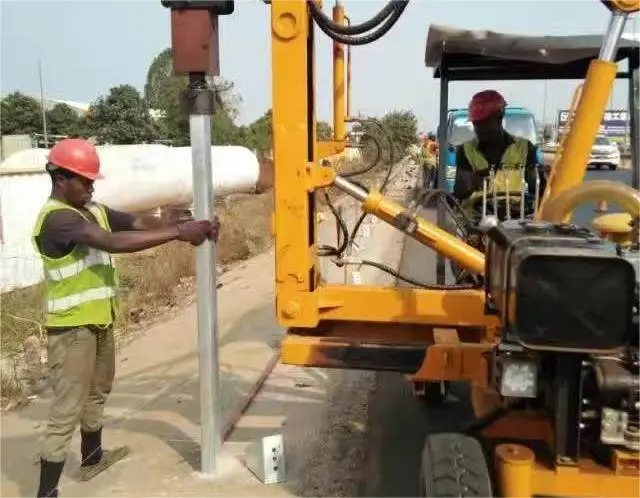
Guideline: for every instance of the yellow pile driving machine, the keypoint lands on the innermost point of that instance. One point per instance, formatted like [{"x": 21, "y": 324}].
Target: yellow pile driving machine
[{"x": 547, "y": 336}]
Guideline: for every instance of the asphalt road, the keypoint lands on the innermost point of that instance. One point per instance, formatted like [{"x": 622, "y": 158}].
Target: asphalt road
[{"x": 399, "y": 423}]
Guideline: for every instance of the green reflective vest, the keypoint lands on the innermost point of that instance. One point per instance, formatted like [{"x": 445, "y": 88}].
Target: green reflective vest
[
  {"x": 509, "y": 177},
  {"x": 80, "y": 287}
]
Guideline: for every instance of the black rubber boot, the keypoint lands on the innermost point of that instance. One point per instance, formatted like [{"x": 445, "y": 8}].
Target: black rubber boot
[
  {"x": 95, "y": 459},
  {"x": 91, "y": 447},
  {"x": 50, "y": 473}
]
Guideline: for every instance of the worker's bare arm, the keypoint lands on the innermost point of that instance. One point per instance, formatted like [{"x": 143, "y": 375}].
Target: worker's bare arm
[
  {"x": 92, "y": 235},
  {"x": 145, "y": 223},
  {"x": 124, "y": 242}
]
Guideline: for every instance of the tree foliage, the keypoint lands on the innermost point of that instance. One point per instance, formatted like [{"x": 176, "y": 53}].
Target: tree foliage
[
  {"x": 323, "y": 131},
  {"x": 62, "y": 120},
  {"x": 162, "y": 93},
  {"x": 21, "y": 114},
  {"x": 122, "y": 117},
  {"x": 395, "y": 132},
  {"x": 125, "y": 117}
]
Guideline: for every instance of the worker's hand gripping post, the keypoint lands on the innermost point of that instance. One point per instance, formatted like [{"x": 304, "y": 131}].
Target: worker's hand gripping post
[{"x": 194, "y": 46}]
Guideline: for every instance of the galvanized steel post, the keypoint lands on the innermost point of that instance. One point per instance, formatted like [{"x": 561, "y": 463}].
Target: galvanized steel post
[
  {"x": 195, "y": 51},
  {"x": 200, "y": 132}
]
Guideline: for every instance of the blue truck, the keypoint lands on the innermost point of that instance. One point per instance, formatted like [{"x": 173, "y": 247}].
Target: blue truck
[{"x": 518, "y": 121}]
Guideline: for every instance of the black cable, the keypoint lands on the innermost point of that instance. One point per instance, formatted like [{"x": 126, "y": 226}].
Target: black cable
[
  {"x": 354, "y": 29},
  {"x": 382, "y": 30},
  {"x": 417, "y": 283},
  {"x": 325, "y": 250},
  {"x": 371, "y": 165},
  {"x": 385, "y": 182}
]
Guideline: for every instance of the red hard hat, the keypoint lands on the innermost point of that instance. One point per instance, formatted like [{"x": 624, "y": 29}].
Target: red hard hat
[
  {"x": 78, "y": 156},
  {"x": 484, "y": 104}
]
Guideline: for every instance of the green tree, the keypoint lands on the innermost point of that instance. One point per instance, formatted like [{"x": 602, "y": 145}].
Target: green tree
[
  {"x": 122, "y": 117},
  {"x": 162, "y": 92},
  {"x": 394, "y": 133},
  {"x": 20, "y": 114},
  {"x": 323, "y": 131},
  {"x": 62, "y": 120}
]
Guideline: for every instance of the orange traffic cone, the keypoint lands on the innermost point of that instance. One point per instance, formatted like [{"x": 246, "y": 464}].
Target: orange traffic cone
[{"x": 602, "y": 206}]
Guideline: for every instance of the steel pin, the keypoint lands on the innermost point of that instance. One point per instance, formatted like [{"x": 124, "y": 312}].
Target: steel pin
[
  {"x": 523, "y": 192},
  {"x": 492, "y": 177},
  {"x": 537, "y": 198},
  {"x": 508, "y": 200},
  {"x": 485, "y": 182}
]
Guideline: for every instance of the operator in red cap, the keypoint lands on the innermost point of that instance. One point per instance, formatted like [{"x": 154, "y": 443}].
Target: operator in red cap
[
  {"x": 75, "y": 238},
  {"x": 493, "y": 147}
]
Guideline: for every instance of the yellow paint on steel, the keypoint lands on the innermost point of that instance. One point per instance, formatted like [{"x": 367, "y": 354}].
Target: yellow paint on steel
[
  {"x": 616, "y": 227},
  {"x": 464, "y": 308},
  {"x": 429, "y": 234},
  {"x": 574, "y": 155},
  {"x": 558, "y": 154},
  {"x": 585, "y": 480},
  {"x": 291, "y": 142},
  {"x": 338, "y": 78},
  {"x": 628, "y": 6},
  {"x": 595, "y": 190},
  {"x": 348, "y": 96},
  {"x": 514, "y": 466}
]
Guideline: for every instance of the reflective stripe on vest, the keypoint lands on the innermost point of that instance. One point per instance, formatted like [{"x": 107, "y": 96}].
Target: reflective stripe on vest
[
  {"x": 80, "y": 287},
  {"x": 64, "y": 303},
  {"x": 508, "y": 177},
  {"x": 93, "y": 258}
]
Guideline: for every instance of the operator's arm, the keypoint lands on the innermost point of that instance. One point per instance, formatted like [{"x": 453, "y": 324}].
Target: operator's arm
[
  {"x": 532, "y": 169},
  {"x": 467, "y": 181}
]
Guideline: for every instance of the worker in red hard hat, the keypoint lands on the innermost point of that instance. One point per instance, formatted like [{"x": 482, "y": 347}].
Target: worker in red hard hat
[
  {"x": 493, "y": 148},
  {"x": 75, "y": 238}
]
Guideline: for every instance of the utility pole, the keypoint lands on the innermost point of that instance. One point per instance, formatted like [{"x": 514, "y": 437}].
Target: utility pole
[
  {"x": 195, "y": 52},
  {"x": 42, "y": 105}
]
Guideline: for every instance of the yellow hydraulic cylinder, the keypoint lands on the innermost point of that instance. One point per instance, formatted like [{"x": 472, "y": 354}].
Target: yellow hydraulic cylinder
[
  {"x": 338, "y": 79},
  {"x": 574, "y": 155},
  {"x": 429, "y": 234},
  {"x": 348, "y": 101},
  {"x": 514, "y": 470},
  {"x": 414, "y": 226}
]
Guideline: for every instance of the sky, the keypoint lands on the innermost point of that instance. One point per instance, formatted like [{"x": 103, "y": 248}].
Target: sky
[{"x": 87, "y": 47}]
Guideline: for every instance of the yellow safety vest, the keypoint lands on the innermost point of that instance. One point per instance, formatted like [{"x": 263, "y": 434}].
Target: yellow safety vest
[
  {"x": 80, "y": 287},
  {"x": 509, "y": 177}
]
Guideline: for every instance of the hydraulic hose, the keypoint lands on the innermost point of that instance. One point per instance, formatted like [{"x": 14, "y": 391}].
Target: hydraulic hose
[
  {"x": 382, "y": 30},
  {"x": 373, "y": 163},
  {"x": 325, "y": 250},
  {"x": 355, "y": 29},
  {"x": 412, "y": 281}
]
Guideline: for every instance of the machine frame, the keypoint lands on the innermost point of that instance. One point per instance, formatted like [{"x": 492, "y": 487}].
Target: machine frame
[
  {"x": 432, "y": 335},
  {"x": 368, "y": 327}
]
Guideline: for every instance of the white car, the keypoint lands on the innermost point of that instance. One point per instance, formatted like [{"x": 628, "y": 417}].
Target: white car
[{"x": 604, "y": 153}]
